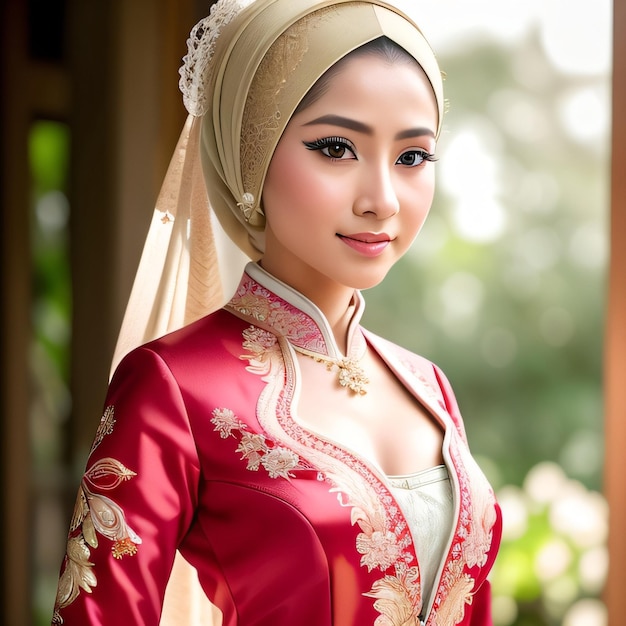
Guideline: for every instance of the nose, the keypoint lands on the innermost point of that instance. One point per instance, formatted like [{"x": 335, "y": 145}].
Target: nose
[{"x": 377, "y": 194}]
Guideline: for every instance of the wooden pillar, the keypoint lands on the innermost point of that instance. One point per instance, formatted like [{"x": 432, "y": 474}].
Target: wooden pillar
[
  {"x": 615, "y": 346},
  {"x": 15, "y": 316},
  {"x": 127, "y": 117}
]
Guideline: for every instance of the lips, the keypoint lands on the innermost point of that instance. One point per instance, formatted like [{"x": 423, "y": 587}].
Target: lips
[{"x": 367, "y": 244}]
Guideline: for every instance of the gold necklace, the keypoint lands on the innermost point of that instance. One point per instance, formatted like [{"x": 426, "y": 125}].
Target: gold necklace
[{"x": 349, "y": 373}]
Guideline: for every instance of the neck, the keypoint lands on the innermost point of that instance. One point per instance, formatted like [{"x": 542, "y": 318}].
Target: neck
[{"x": 341, "y": 321}]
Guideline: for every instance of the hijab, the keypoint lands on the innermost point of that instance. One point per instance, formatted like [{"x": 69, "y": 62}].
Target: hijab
[{"x": 249, "y": 65}]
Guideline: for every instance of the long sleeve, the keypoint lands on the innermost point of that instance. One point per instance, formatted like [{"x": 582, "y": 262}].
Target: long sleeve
[{"x": 135, "y": 503}]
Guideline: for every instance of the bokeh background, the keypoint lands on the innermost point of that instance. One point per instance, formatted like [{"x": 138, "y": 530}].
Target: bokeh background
[
  {"x": 505, "y": 285},
  {"x": 504, "y": 289}
]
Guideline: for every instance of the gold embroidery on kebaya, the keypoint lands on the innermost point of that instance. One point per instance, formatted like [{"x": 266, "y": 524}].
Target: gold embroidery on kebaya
[
  {"x": 125, "y": 546},
  {"x": 95, "y": 515},
  {"x": 252, "y": 300},
  {"x": 107, "y": 474},
  {"x": 458, "y": 586},
  {"x": 379, "y": 549},
  {"x": 471, "y": 543},
  {"x": 225, "y": 421},
  {"x": 391, "y": 598},
  {"x": 78, "y": 574},
  {"x": 276, "y": 460},
  {"x": 384, "y": 538},
  {"x": 109, "y": 521},
  {"x": 384, "y": 542},
  {"x": 105, "y": 427}
]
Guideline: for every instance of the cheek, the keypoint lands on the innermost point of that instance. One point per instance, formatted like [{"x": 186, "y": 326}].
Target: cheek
[
  {"x": 418, "y": 198},
  {"x": 293, "y": 188},
  {"x": 283, "y": 184}
]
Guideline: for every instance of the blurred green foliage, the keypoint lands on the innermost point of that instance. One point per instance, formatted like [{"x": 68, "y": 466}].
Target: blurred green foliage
[
  {"x": 49, "y": 156},
  {"x": 48, "y": 150}
]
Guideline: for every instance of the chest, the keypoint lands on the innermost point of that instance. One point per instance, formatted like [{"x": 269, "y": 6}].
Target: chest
[{"x": 387, "y": 425}]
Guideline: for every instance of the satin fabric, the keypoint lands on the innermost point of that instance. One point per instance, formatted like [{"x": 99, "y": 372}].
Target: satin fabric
[{"x": 198, "y": 451}]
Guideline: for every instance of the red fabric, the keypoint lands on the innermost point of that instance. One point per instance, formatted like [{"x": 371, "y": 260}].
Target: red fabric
[{"x": 269, "y": 549}]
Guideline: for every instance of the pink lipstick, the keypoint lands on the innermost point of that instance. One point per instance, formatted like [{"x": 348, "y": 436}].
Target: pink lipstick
[{"x": 367, "y": 244}]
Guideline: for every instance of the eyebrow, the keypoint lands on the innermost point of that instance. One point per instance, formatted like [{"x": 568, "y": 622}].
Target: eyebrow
[{"x": 359, "y": 127}]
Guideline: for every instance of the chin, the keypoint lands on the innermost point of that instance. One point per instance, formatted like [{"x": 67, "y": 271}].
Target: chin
[
  {"x": 368, "y": 281},
  {"x": 369, "y": 285}
]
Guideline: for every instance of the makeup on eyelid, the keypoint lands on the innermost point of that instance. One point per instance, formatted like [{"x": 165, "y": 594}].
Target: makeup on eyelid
[{"x": 344, "y": 146}]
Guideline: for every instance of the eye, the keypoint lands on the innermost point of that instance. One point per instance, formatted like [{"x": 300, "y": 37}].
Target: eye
[
  {"x": 334, "y": 148},
  {"x": 336, "y": 151},
  {"x": 413, "y": 158}
]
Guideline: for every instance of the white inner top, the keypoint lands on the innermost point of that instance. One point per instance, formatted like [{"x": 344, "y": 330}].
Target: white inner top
[{"x": 426, "y": 501}]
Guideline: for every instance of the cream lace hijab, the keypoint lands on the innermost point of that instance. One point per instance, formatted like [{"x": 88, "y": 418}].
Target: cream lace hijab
[{"x": 249, "y": 65}]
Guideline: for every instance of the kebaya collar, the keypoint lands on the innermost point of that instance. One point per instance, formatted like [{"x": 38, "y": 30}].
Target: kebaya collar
[{"x": 274, "y": 305}]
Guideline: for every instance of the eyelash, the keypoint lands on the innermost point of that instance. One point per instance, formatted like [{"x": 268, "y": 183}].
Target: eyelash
[
  {"x": 424, "y": 155},
  {"x": 332, "y": 142}
]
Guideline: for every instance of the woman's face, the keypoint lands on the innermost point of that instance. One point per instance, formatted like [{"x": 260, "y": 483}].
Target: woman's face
[{"x": 351, "y": 181}]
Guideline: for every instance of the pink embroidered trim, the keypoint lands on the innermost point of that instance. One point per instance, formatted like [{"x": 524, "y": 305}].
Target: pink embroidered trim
[{"x": 271, "y": 311}]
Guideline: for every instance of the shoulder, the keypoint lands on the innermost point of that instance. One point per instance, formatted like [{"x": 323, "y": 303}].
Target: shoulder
[
  {"x": 211, "y": 334},
  {"x": 203, "y": 346}
]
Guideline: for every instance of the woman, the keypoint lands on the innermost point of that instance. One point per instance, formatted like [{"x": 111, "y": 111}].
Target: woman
[{"x": 303, "y": 470}]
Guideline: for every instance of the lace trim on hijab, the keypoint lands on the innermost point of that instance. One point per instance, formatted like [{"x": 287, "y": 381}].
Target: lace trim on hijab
[{"x": 195, "y": 72}]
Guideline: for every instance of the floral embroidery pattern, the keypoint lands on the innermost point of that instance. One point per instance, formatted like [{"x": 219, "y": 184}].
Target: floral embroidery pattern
[
  {"x": 380, "y": 549},
  {"x": 263, "y": 306},
  {"x": 472, "y": 540},
  {"x": 95, "y": 514},
  {"x": 458, "y": 587},
  {"x": 384, "y": 543},
  {"x": 78, "y": 574},
  {"x": 392, "y": 601},
  {"x": 276, "y": 460},
  {"x": 262, "y": 350}
]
